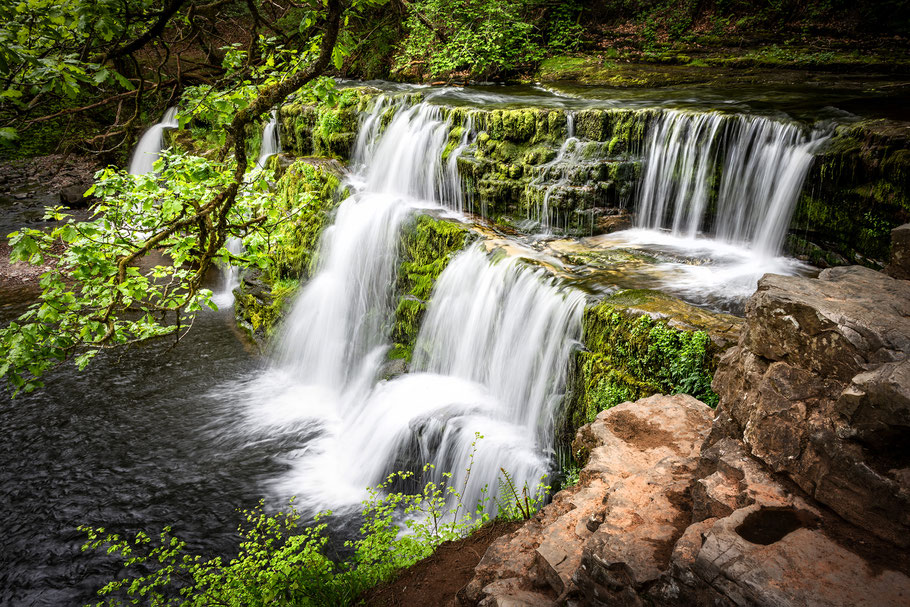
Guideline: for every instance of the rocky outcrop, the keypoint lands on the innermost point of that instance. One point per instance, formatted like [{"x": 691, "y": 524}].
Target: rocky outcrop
[
  {"x": 857, "y": 190},
  {"x": 819, "y": 390},
  {"x": 613, "y": 534},
  {"x": 798, "y": 495}
]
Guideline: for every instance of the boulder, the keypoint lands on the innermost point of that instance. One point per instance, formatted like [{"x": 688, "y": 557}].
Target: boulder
[
  {"x": 73, "y": 196},
  {"x": 818, "y": 389},
  {"x": 899, "y": 267},
  {"x": 612, "y": 535}
]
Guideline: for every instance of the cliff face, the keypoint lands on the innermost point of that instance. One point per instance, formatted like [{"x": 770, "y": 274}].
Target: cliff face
[{"x": 796, "y": 493}]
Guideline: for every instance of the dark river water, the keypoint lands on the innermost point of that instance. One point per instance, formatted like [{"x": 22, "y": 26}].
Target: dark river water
[{"x": 127, "y": 445}]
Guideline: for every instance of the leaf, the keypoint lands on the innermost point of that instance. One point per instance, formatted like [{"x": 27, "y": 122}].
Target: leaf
[
  {"x": 8, "y": 134},
  {"x": 123, "y": 81}
]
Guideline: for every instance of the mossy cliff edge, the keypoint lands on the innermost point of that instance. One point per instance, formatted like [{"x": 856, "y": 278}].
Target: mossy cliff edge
[
  {"x": 857, "y": 192},
  {"x": 518, "y": 167},
  {"x": 307, "y": 194},
  {"x": 637, "y": 343}
]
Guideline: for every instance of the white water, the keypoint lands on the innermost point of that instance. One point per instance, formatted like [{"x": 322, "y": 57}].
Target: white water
[
  {"x": 151, "y": 143},
  {"x": 491, "y": 356},
  {"x": 271, "y": 140},
  {"x": 230, "y": 275},
  {"x": 761, "y": 165}
]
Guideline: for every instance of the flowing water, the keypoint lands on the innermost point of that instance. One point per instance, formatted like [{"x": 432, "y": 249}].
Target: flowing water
[
  {"x": 185, "y": 435},
  {"x": 151, "y": 143},
  {"x": 271, "y": 140},
  {"x": 761, "y": 166},
  {"x": 503, "y": 377}
]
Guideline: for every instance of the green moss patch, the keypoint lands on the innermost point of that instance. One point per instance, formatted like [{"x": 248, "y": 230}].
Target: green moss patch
[
  {"x": 427, "y": 246},
  {"x": 628, "y": 354},
  {"x": 327, "y": 129},
  {"x": 306, "y": 196}
]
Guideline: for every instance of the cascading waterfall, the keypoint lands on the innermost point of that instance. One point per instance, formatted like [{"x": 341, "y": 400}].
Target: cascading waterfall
[
  {"x": 453, "y": 193},
  {"x": 506, "y": 328},
  {"x": 151, "y": 143},
  {"x": 761, "y": 165},
  {"x": 491, "y": 356},
  {"x": 271, "y": 140},
  {"x": 568, "y": 155},
  {"x": 230, "y": 275}
]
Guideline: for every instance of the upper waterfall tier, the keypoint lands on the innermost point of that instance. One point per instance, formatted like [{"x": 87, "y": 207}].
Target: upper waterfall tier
[
  {"x": 735, "y": 177},
  {"x": 749, "y": 169}
]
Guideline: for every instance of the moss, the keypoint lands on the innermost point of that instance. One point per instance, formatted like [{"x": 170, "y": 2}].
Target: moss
[
  {"x": 326, "y": 129},
  {"x": 856, "y": 192},
  {"x": 260, "y": 305},
  {"x": 427, "y": 246},
  {"x": 306, "y": 195},
  {"x": 628, "y": 355}
]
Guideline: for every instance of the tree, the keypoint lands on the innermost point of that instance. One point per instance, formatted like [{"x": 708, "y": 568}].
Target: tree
[{"x": 98, "y": 293}]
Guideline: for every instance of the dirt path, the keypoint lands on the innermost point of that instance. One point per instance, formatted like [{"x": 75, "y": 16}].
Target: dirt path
[{"x": 434, "y": 581}]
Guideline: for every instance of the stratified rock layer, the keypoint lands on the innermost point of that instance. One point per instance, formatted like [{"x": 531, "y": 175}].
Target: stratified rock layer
[
  {"x": 614, "y": 532},
  {"x": 819, "y": 389}
]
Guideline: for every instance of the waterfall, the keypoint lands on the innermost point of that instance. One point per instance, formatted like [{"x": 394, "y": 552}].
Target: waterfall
[
  {"x": 760, "y": 164},
  {"x": 453, "y": 193},
  {"x": 271, "y": 141},
  {"x": 568, "y": 156},
  {"x": 508, "y": 330},
  {"x": 151, "y": 143},
  {"x": 490, "y": 358},
  {"x": 230, "y": 275}
]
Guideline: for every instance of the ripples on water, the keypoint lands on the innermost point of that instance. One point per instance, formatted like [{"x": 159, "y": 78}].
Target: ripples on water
[{"x": 127, "y": 445}]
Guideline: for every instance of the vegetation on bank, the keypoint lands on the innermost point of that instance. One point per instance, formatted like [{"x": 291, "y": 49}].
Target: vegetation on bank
[
  {"x": 629, "y": 355},
  {"x": 284, "y": 562}
]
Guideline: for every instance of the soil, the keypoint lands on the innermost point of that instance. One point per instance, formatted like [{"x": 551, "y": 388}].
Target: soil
[{"x": 434, "y": 581}]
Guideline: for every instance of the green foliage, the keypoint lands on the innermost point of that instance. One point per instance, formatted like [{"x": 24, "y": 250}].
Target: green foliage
[
  {"x": 514, "y": 504},
  {"x": 484, "y": 37},
  {"x": 570, "y": 475},
  {"x": 628, "y": 357},
  {"x": 566, "y": 30},
  {"x": 281, "y": 563},
  {"x": 42, "y": 49},
  {"x": 94, "y": 269}
]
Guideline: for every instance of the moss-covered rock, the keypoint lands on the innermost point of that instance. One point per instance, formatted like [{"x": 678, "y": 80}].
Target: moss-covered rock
[
  {"x": 306, "y": 196},
  {"x": 857, "y": 192},
  {"x": 520, "y": 164},
  {"x": 325, "y": 129},
  {"x": 428, "y": 245},
  {"x": 261, "y": 303},
  {"x": 638, "y": 343}
]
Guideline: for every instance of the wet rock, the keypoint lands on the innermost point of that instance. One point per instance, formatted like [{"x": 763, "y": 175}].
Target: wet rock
[
  {"x": 607, "y": 224},
  {"x": 73, "y": 196},
  {"x": 818, "y": 389},
  {"x": 900, "y": 253}
]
